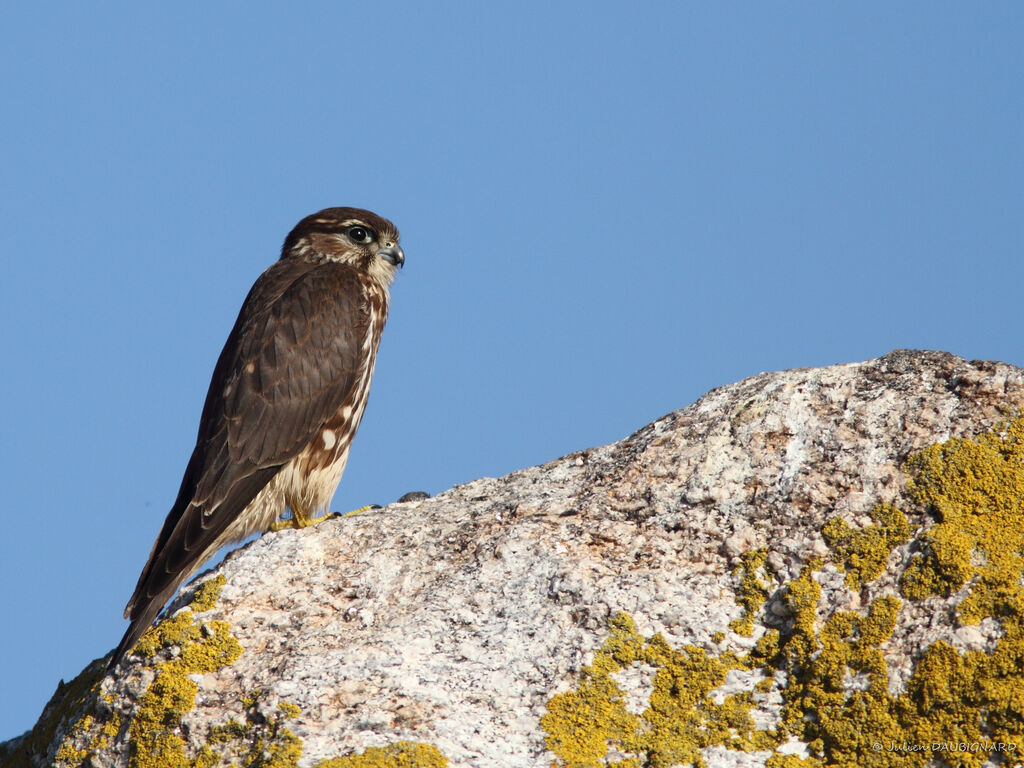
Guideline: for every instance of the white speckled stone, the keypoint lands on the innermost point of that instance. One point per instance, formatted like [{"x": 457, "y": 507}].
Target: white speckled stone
[{"x": 453, "y": 620}]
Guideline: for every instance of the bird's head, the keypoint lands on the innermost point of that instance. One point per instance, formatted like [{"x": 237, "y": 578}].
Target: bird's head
[{"x": 348, "y": 235}]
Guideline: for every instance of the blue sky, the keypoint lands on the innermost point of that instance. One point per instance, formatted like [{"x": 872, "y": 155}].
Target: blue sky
[{"x": 605, "y": 213}]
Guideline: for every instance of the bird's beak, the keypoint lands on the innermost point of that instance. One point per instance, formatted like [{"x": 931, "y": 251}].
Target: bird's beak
[{"x": 394, "y": 254}]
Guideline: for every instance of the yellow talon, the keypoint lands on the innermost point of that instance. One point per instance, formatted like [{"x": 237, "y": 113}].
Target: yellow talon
[
  {"x": 306, "y": 522},
  {"x": 358, "y": 511},
  {"x": 299, "y": 519}
]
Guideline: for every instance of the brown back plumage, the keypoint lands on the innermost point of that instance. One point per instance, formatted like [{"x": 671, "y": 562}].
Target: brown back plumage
[{"x": 297, "y": 352}]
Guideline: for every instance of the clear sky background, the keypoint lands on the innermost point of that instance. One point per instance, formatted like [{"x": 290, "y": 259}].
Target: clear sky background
[{"x": 605, "y": 211}]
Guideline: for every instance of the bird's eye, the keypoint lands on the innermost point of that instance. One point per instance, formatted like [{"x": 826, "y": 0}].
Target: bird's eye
[{"x": 361, "y": 234}]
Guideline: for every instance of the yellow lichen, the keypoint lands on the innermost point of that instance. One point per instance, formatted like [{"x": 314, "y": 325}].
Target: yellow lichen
[
  {"x": 956, "y": 708},
  {"x": 153, "y": 737},
  {"x": 976, "y": 489},
  {"x": 178, "y": 630},
  {"x": 832, "y": 670},
  {"x": 791, "y": 761},
  {"x": 154, "y": 732},
  {"x": 401, "y": 754},
  {"x": 751, "y": 593},
  {"x": 70, "y": 702},
  {"x": 864, "y": 552},
  {"x": 96, "y": 737},
  {"x": 205, "y": 595},
  {"x": 584, "y": 724},
  {"x": 682, "y": 718},
  {"x": 836, "y": 699},
  {"x": 259, "y": 742},
  {"x": 67, "y": 753}
]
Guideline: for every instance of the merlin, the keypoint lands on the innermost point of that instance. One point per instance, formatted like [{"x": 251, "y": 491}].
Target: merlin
[{"x": 286, "y": 398}]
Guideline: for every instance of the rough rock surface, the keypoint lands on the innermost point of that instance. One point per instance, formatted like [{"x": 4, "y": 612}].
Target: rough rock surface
[{"x": 453, "y": 621}]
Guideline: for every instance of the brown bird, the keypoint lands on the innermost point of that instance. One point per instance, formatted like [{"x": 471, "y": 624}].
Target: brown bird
[{"x": 285, "y": 401}]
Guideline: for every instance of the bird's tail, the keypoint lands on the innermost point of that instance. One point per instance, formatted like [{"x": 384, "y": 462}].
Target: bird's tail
[{"x": 142, "y": 617}]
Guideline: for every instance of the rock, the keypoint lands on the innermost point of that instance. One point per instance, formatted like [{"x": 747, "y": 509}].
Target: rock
[{"x": 763, "y": 576}]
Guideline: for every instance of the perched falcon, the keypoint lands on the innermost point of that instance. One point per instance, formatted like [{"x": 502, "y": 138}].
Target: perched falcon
[{"x": 285, "y": 400}]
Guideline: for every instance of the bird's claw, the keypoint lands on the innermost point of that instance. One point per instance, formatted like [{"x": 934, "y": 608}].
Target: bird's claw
[{"x": 298, "y": 520}]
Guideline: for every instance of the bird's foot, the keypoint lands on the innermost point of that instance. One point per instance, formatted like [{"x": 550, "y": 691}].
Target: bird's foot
[
  {"x": 298, "y": 520},
  {"x": 301, "y": 520}
]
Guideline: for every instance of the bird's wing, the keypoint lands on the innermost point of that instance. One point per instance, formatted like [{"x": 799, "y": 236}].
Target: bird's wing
[
  {"x": 291, "y": 360},
  {"x": 291, "y": 367}
]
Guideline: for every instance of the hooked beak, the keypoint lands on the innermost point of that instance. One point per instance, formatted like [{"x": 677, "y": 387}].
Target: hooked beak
[{"x": 394, "y": 254}]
